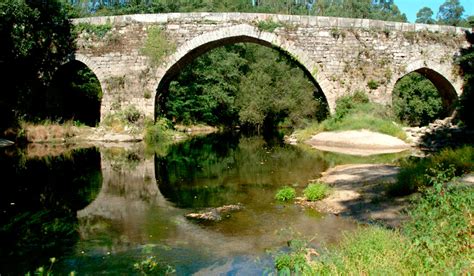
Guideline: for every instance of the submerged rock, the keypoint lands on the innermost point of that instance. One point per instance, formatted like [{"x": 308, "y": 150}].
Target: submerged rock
[{"x": 214, "y": 214}]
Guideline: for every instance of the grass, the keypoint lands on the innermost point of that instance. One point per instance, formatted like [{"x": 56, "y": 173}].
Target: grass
[
  {"x": 285, "y": 194},
  {"x": 370, "y": 116},
  {"x": 415, "y": 173},
  {"x": 355, "y": 112},
  {"x": 316, "y": 191},
  {"x": 368, "y": 251},
  {"x": 48, "y": 130}
]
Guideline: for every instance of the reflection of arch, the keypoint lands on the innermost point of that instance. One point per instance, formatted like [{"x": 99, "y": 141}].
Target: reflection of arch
[
  {"x": 237, "y": 34},
  {"x": 446, "y": 90}
]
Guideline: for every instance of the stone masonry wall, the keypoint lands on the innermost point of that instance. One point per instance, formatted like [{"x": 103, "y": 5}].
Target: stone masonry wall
[{"x": 342, "y": 55}]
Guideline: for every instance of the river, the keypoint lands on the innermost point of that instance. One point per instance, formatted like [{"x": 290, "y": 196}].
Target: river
[{"x": 115, "y": 209}]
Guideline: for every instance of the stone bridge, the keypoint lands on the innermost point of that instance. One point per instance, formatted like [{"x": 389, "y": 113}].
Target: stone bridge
[{"x": 339, "y": 55}]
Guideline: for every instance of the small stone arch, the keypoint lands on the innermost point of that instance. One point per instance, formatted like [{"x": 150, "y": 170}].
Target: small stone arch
[
  {"x": 440, "y": 78},
  {"x": 238, "y": 34}
]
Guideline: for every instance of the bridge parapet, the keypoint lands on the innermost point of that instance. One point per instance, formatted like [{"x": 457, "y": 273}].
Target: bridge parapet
[{"x": 317, "y": 21}]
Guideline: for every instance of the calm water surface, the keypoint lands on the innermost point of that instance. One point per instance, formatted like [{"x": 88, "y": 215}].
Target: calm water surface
[{"x": 103, "y": 210}]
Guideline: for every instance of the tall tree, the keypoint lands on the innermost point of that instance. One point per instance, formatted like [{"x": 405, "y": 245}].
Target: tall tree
[
  {"x": 450, "y": 13},
  {"x": 425, "y": 16},
  {"x": 36, "y": 38}
]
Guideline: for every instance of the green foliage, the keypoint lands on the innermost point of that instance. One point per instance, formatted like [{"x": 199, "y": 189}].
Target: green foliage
[
  {"x": 450, "y": 13},
  {"x": 425, "y": 16},
  {"x": 268, "y": 25},
  {"x": 316, "y": 191},
  {"x": 415, "y": 174},
  {"x": 36, "y": 39},
  {"x": 416, "y": 101},
  {"x": 347, "y": 103},
  {"x": 356, "y": 112},
  {"x": 97, "y": 30},
  {"x": 242, "y": 84},
  {"x": 294, "y": 261},
  {"x": 146, "y": 266},
  {"x": 436, "y": 240},
  {"x": 159, "y": 133},
  {"x": 205, "y": 90},
  {"x": 440, "y": 228},
  {"x": 368, "y": 251},
  {"x": 285, "y": 194},
  {"x": 271, "y": 91},
  {"x": 157, "y": 45},
  {"x": 372, "y": 84},
  {"x": 150, "y": 266}
]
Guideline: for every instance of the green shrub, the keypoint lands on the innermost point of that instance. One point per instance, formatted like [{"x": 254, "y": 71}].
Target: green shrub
[
  {"x": 372, "y": 84},
  {"x": 130, "y": 116},
  {"x": 416, "y": 173},
  {"x": 285, "y": 194},
  {"x": 292, "y": 262},
  {"x": 159, "y": 133},
  {"x": 346, "y": 103},
  {"x": 316, "y": 191},
  {"x": 268, "y": 25}
]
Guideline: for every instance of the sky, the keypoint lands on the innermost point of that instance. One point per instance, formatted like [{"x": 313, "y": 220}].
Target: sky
[{"x": 411, "y": 7}]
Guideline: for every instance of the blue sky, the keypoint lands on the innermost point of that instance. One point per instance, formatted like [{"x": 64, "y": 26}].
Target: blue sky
[{"x": 411, "y": 7}]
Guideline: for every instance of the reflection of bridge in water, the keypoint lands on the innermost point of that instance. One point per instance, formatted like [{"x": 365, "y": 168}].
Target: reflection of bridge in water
[{"x": 132, "y": 210}]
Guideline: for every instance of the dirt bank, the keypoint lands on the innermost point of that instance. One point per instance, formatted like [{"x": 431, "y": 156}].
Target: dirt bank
[{"x": 358, "y": 191}]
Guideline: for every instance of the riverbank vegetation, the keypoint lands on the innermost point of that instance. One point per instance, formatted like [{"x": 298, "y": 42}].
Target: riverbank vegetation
[
  {"x": 416, "y": 173},
  {"x": 353, "y": 112},
  {"x": 436, "y": 239}
]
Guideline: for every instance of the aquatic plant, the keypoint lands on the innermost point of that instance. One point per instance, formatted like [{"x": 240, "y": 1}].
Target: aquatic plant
[
  {"x": 285, "y": 194},
  {"x": 316, "y": 191}
]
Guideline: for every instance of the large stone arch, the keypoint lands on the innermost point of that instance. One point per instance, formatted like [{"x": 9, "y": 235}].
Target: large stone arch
[
  {"x": 82, "y": 60},
  {"x": 237, "y": 34},
  {"x": 448, "y": 87}
]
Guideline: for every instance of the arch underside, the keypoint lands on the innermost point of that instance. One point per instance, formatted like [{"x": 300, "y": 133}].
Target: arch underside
[{"x": 179, "y": 65}]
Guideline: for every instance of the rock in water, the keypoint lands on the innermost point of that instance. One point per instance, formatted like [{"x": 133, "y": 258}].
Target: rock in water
[{"x": 214, "y": 214}]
